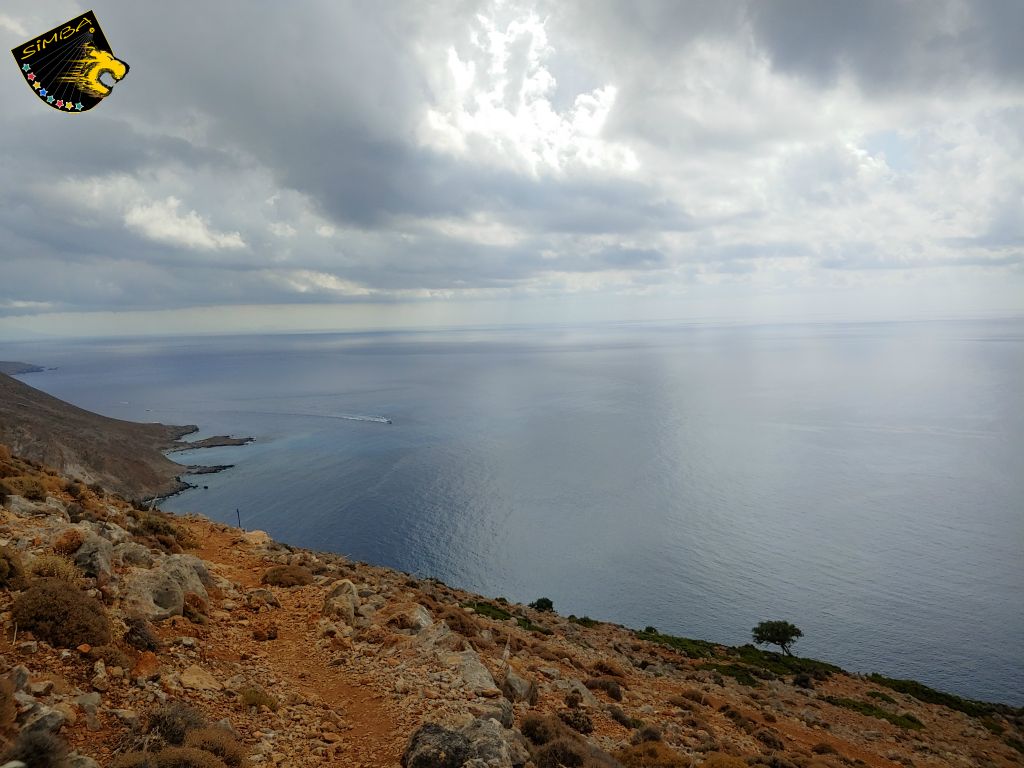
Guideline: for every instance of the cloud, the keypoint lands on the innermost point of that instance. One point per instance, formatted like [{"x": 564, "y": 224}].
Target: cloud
[
  {"x": 480, "y": 150},
  {"x": 161, "y": 221}
]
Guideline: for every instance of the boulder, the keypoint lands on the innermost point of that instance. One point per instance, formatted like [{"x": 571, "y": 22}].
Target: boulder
[
  {"x": 342, "y": 601},
  {"x": 94, "y": 556},
  {"x": 481, "y": 744},
  {"x": 473, "y": 673},
  {"x": 133, "y": 553},
  {"x": 516, "y": 687},
  {"x": 160, "y": 593},
  {"x": 196, "y": 678}
]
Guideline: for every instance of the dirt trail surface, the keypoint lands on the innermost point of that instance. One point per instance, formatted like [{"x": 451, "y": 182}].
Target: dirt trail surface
[{"x": 373, "y": 735}]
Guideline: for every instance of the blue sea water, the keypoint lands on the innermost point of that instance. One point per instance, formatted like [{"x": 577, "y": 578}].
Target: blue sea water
[{"x": 863, "y": 481}]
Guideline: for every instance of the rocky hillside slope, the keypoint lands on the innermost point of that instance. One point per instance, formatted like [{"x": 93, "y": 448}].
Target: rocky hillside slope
[
  {"x": 123, "y": 456},
  {"x": 134, "y": 639}
]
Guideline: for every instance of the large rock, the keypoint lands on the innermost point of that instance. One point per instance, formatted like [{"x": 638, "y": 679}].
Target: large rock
[
  {"x": 133, "y": 553},
  {"x": 516, "y": 687},
  {"x": 481, "y": 744},
  {"x": 473, "y": 673},
  {"x": 195, "y": 678},
  {"x": 341, "y": 602},
  {"x": 160, "y": 593},
  {"x": 94, "y": 556}
]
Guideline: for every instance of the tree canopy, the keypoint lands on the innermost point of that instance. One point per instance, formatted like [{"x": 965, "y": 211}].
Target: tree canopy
[{"x": 780, "y": 633}]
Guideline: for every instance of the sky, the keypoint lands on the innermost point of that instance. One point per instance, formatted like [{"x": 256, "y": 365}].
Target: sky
[{"x": 330, "y": 165}]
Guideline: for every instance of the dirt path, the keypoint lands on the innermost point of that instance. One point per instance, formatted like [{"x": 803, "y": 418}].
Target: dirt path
[{"x": 373, "y": 734}]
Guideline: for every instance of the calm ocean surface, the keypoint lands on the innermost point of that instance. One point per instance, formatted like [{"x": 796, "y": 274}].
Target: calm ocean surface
[{"x": 863, "y": 481}]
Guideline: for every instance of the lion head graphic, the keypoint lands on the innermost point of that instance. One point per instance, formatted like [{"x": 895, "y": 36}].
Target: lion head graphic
[{"x": 85, "y": 73}]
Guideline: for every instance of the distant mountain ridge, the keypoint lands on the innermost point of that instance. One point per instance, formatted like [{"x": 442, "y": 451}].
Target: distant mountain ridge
[{"x": 123, "y": 456}]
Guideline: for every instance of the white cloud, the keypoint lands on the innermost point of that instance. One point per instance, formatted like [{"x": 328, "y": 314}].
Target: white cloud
[
  {"x": 160, "y": 220},
  {"x": 495, "y": 106}
]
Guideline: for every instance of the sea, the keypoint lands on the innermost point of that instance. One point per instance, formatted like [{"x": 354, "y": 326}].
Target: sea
[{"x": 863, "y": 481}]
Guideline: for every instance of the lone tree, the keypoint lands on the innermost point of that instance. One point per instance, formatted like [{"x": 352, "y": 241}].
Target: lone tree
[
  {"x": 780, "y": 633},
  {"x": 543, "y": 604}
]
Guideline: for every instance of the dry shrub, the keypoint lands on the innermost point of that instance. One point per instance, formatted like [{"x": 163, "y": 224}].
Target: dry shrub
[
  {"x": 770, "y": 739},
  {"x": 682, "y": 702},
  {"x": 561, "y": 753},
  {"x": 287, "y": 576},
  {"x": 186, "y": 757},
  {"x": 140, "y": 634},
  {"x": 37, "y": 749},
  {"x": 8, "y": 706},
  {"x": 195, "y": 608},
  {"x": 824, "y": 748},
  {"x": 220, "y": 743},
  {"x": 645, "y": 734},
  {"x": 540, "y": 730},
  {"x": 255, "y": 696},
  {"x": 68, "y": 542},
  {"x": 5, "y": 453},
  {"x": 459, "y": 621},
  {"x": 722, "y": 760},
  {"x": 651, "y": 754},
  {"x": 693, "y": 694},
  {"x": 54, "y": 567},
  {"x": 133, "y": 760},
  {"x": 573, "y": 699},
  {"x": 111, "y": 656},
  {"x": 607, "y": 684},
  {"x": 577, "y": 719},
  {"x": 623, "y": 719},
  {"x": 12, "y": 570},
  {"x": 608, "y": 667},
  {"x": 174, "y": 720},
  {"x": 61, "y": 615},
  {"x": 264, "y": 631}
]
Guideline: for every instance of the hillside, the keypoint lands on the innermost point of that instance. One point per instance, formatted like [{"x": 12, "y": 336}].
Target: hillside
[
  {"x": 123, "y": 456},
  {"x": 301, "y": 658}
]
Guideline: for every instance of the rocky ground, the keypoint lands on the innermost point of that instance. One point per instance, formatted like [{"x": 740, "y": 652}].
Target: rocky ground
[{"x": 307, "y": 659}]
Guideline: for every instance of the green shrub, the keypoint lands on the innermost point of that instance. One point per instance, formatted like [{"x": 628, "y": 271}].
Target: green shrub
[
  {"x": 583, "y": 621},
  {"x": 287, "y": 576},
  {"x": 695, "y": 649},
  {"x": 882, "y": 696},
  {"x": 37, "y": 749},
  {"x": 742, "y": 674},
  {"x": 488, "y": 610},
  {"x": 873, "y": 710},
  {"x": 543, "y": 604},
  {"x": 61, "y": 615},
  {"x": 174, "y": 720},
  {"x": 928, "y": 695},
  {"x": 218, "y": 742}
]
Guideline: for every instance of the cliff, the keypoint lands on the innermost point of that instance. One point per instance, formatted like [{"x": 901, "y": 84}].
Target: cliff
[
  {"x": 301, "y": 658},
  {"x": 123, "y": 456}
]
